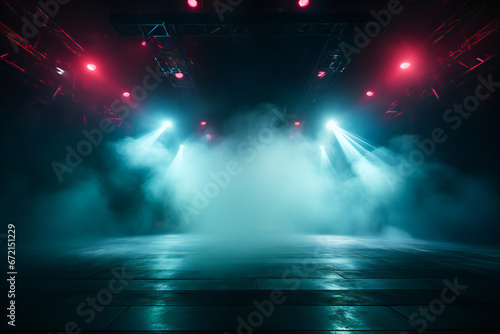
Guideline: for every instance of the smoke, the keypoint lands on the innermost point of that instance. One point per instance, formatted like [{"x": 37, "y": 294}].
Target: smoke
[{"x": 263, "y": 178}]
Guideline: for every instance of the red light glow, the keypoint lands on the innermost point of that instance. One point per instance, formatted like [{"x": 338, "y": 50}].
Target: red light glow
[
  {"x": 369, "y": 93},
  {"x": 297, "y": 123},
  {"x": 404, "y": 65},
  {"x": 303, "y": 3},
  {"x": 91, "y": 67},
  {"x": 203, "y": 123},
  {"x": 143, "y": 43},
  {"x": 126, "y": 94},
  {"x": 321, "y": 74},
  {"x": 179, "y": 75},
  {"x": 192, "y": 3}
]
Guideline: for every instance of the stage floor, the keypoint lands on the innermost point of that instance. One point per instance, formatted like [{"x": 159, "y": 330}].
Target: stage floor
[{"x": 182, "y": 283}]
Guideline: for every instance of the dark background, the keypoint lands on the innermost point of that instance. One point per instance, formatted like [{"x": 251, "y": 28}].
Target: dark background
[{"x": 236, "y": 73}]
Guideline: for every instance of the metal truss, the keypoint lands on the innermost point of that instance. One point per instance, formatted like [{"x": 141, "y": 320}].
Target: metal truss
[
  {"x": 31, "y": 10},
  {"x": 161, "y": 33},
  {"x": 465, "y": 57},
  {"x": 270, "y": 24},
  {"x": 331, "y": 62},
  {"x": 48, "y": 72},
  {"x": 470, "y": 25},
  {"x": 172, "y": 60},
  {"x": 171, "y": 30}
]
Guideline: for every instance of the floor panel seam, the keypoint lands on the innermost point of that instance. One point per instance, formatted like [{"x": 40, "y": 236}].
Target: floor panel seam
[{"x": 112, "y": 322}]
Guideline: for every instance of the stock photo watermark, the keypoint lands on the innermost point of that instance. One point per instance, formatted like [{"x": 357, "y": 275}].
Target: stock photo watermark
[
  {"x": 88, "y": 309},
  {"x": 11, "y": 274},
  {"x": 372, "y": 29},
  {"x": 224, "y": 6},
  {"x": 95, "y": 137},
  {"x": 436, "y": 307},
  {"x": 48, "y": 10},
  {"x": 248, "y": 150},
  {"x": 454, "y": 118},
  {"x": 264, "y": 309}
]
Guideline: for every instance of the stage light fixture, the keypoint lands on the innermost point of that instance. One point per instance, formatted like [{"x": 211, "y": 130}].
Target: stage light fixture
[
  {"x": 321, "y": 74},
  {"x": 370, "y": 93},
  {"x": 91, "y": 67},
  {"x": 60, "y": 71},
  {"x": 297, "y": 123},
  {"x": 192, "y": 3},
  {"x": 167, "y": 124},
  {"x": 179, "y": 75},
  {"x": 126, "y": 94},
  {"x": 143, "y": 43},
  {"x": 405, "y": 65},
  {"x": 203, "y": 123},
  {"x": 303, "y": 3},
  {"x": 332, "y": 125}
]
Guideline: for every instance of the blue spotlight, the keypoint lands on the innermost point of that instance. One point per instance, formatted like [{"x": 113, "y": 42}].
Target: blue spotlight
[
  {"x": 174, "y": 167},
  {"x": 332, "y": 125},
  {"x": 326, "y": 164},
  {"x": 167, "y": 124}
]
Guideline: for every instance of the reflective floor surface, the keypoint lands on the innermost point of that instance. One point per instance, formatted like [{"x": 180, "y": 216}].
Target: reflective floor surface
[{"x": 307, "y": 284}]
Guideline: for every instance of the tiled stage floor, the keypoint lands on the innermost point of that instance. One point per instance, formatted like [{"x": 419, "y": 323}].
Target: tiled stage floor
[{"x": 182, "y": 283}]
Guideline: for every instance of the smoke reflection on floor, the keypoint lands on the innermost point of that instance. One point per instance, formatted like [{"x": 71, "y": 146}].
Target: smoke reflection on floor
[{"x": 310, "y": 283}]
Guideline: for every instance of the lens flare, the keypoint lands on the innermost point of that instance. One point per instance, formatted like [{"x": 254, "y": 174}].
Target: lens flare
[
  {"x": 303, "y": 3},
  {"x": 332, "y": 125},
  {"x": 167, "y": 124},
  {"x": 405, "y": 65}
]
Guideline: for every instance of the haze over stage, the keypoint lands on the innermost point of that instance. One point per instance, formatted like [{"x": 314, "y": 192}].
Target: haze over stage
[
  {"x": 192, "y": 283},
  {"x": 250, "y": 166}
]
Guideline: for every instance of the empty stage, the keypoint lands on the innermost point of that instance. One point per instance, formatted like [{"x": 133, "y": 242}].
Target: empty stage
[{"x": 305, "y": 284}]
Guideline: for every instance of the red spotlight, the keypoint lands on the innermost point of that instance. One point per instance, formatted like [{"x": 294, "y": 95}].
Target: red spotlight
[
  {"x": 297, "y": 123},
  {"x": 192, "y": 3},
  {"x": 126, "y": 94},
  {"x": 203, "y": 123},
  {"x": 91, "y": 67},
  {"x": 321, "y": 74},
  {"x": 179, "y": 75},
  {"x": 404, "y": 65},
  {"x": 143, "y": 43},
  {"x": 369, "y": 93},
  {"x": 303, "y": 3}
]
